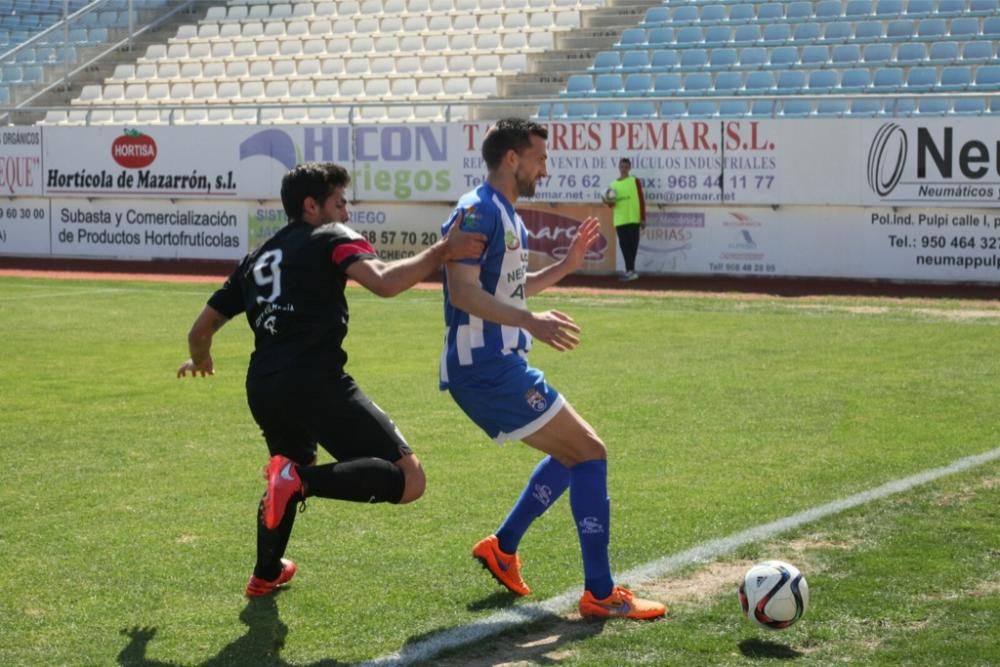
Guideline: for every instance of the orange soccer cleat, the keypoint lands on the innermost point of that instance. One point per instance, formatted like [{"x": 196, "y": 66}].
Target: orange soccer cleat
[
  {"x": 283, "y": 485},
  {"x": 622, "y": 603},
  {"x": 505, "y": 568},
  {"x": 257, "y": 587}
]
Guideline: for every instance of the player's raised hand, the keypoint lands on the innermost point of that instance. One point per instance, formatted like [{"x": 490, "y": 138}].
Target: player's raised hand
[
  {"x": 586, "y": 235},
  {"x": 460, "y": 244},
  {"x": 206, "y": 367},
  {"x": 555, "y": 329}
]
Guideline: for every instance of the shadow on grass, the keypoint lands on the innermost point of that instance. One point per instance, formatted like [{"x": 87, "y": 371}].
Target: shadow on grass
[
  {"x": 498, "y": 600},
  {"x": 764, "y": 650},
  {"x": 261, "y": 645}
]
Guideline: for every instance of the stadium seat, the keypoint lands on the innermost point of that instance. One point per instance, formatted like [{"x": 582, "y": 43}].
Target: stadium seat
[
  {"x": 932, "y": 29},
  {"x": 987, "y": 78},
  {"x": 733, "y": 108},
  {"x": 815, "y": 55},
  {"x": 607, "y": 85},
  {"x": 640, "y": 109},
  {"x": 828, "y": 9},
  {"x": 666, "y": 84},
  {"x": 608, "y": 61},
  {"x": 838, "y": 31},
  {"x": 753, "y": 57},
  {"x": 955, "y": 78},
  {"x": 921, "y": 79},
  {"x": 712, "y": 13},
  {"x": 919, "y": 7},
  {"x": 697, "y": 83},
  {"x": 664, "y": 59},
  {"x": 638, "y": 84},
  {"x": 791, "y": 81},
  {"x": 889, "y": 8},
  {"x": 770, "y": 11},
  {"x": 887, "y": 80},
  {"x": 855, "y": 80},
  {"x": 977, "y": 51},
  {"x": 942, "y": 53},
  {"x": 776, "y": 34},
  {"x": 911, "y": 53},
  {"x": 934, "y": 106},
  {"x": 903, "y": 106},
  {"x": 759, "y": 83},
  {"x": 634, "y": 61},
  {"x": 991, "y": 28},
  {"x": 632, "y": 38},
  {"x": 807, "y": 33},
  {"x": 832, "y": 107},
  {"x": 728, "y": 83},
  {"x": 610, "y": 110},
  {"x": 799, "y": 10},
  {"x": 796, "y": 108},
  {"x": 693, "y": 59},
  {"x": 702, "y": 109},
  {"x": 763, "y": 108},
  {"x": 845, "y": 55},
  {"x": 579, "y": 85},
  {"x": 672, "y": 109},
  {"x": 661, "y": 37},
  {"x": 866, "y": 107},
  {"x": 983, "y": 7},
  {"x": 783, "y": 57},
  {"x": 723, "y": 58},
  {"x": 867, "y": 31},
  {"x": 877, "y": 54},
  {"x": 899, "y": 30},
  {"x": 970, "y": 106},
  {"x": 823, "y": 80}
]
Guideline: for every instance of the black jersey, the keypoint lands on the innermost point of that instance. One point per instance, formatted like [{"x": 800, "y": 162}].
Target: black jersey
[{"x": 292, "y": 291}]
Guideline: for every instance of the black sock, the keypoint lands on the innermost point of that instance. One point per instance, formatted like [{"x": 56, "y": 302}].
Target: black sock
[
  {"x": 364, "y": 480},
  {"x": 271, "y": 544}
]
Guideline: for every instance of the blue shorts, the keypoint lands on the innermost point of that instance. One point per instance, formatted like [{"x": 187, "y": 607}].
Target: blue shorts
[{"x": 509, "y": 404}]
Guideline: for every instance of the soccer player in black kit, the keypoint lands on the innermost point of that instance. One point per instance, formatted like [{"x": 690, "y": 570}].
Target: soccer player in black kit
[{"x": 292, "y": 292}]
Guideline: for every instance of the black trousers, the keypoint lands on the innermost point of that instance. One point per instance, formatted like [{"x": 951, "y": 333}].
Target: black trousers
[{"x": 628, "y": 241}]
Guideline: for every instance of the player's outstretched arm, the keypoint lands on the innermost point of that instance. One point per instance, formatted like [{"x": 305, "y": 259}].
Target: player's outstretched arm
[
  {"x": 390, "y": 278},
  {"x": 465, "y": 293},
  {"x": 586, "y": 235},
  {"x": 200, "y": 343}
]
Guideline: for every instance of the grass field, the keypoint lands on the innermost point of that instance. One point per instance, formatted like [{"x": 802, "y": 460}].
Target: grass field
[{"x": 129, "y": 495}]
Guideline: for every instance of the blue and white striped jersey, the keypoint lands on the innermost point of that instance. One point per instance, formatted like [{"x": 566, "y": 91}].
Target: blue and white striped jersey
[{"x": 471, "y": 343}]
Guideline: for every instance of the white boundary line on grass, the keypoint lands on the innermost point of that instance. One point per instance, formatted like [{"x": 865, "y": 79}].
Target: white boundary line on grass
[{"x": 704, "y": 552}]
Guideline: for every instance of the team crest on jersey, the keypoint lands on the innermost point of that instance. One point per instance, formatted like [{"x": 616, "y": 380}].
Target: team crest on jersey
[
  {"x": 511, "y": 240},
  {"x": 470, "y": 219},
  {"x": 536, "y": 400}
]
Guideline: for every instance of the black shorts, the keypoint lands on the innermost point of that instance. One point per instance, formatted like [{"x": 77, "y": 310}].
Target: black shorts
[{"x": 296, "y": 413}]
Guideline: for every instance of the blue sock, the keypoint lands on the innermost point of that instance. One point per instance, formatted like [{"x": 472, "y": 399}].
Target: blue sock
[
  {"x": 548, "y": 481},
  {"x": 588, "y": 497}
]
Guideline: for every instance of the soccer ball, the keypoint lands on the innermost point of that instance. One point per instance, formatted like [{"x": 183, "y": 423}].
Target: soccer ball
[
  {"x": 610, "y": 196},
  {"x": 774, "y": 594}
]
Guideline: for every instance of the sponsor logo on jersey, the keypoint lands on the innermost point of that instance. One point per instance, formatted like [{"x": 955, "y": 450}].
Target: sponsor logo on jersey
[
  {"x": 470, "y": 220},
  {"x": 536, "y": 400},
  {"x": 512, "y": 241}
]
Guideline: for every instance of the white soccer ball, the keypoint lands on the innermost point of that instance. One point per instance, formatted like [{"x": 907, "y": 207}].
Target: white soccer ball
[
  {"x": 774, "y": 594},
  {"x": 610, "y": 196}
]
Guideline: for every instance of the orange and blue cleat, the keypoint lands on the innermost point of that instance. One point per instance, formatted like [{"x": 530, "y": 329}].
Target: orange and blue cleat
[
  {"x": 622, "y": 603},
  {"x": 505, "y": 568}
]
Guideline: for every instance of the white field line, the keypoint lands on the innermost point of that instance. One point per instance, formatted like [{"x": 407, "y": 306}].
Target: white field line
[{"x": 704, "y": 552}]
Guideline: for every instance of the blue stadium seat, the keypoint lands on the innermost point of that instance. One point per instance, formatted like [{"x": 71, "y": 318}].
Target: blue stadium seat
[
  {"x": 728, "y": 83},
  {"x": 658, "y": 38},
  {"x": 777, "y": 33},
  {"x": 746, "y": 35},
  {"x": 899, "y": 31},
  {"x": 867, "y": 31},
  {"x": 933, "y": 106},
  {"x": 580, "y": 110},
  {"x": 963, "y": 28},
  {"x": 815, "y": 55},
  {"x": 855, "y": 80},
  {"x": 832, "y": 107},
  {"x": 632, "y": 38},
  {"x": 759, "y": 83},
  {"x": 929, "y": 29},
  {"x": 942, "y": 53},
  {"x": 607, "y": 85},
  {"x": 664, "y": 60},
  {"x": 685, "y": 14},
  {"x": 712, "y": 13},
  {"x": 921, "y": 79},
  {"x": 634, "y": 61},
  {"x": 911, "y": 53},
  {"x": 866, "y": 106},
  {"x": 579, "y": 85},
  {"x": 919, "y": 8},
  {"x": 770, "y": 11},
  {"x": 638, "y": 84},
  {"x": 610, "y": 110},
  {"x": 970, "y": 106},
  {"x": 828, "y": 9},
  {"x": 693, "y": 59},
  {"x": 858, "y": 9},
  {"x": 889, "y": 8},
  {"x": 983, "y": 7},
  {"x": 796, "y": 108},
  {"x": 791, "y": 81},
  {"x": 13, "y": 74},
  {"x": 698, "y": 83},
  {"x": 733, "y": 108},
  {"x": 666, "y": 83},
  {"x": 987, "y": 77},
  {"x": 955, "y": 77},
  {"x": 977, "y": 52},
  {"x": 608, "y": 61},
  {"x": 877, "y": 54},
  {"x": 640, "y": 110},
  {"x": 753, "y": 56},
  {"x": 702, "y": 109},
  {"x": 718, "y": 35},
  {"x": 806, "y": 33},
  {"x": 823, "y": 80},
  {"x": 742, "y": 13},
  {"x": 903, "y": 106},
  {"x": 838, "y": 31},
  {"x": 845, "y": 55},
  {"x": 991, "y": 27},
  {"x": 656, "y": 15},
  {"x": 887, "y": 79},
  {"x": 672, "y": 109},
  {"x": 689, "y": 36},
  {"x": 723, "y": 58},
  {"x": 783, "y": 56},
  {"x": 764, "y": 108},
  {"x": 799, "y": 10},
  {"x": 950, "y": 7},
  {"x": 4, "y": 95}
]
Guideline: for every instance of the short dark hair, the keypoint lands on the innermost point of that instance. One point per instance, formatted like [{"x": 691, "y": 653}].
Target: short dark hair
[
  {"x": 310, "y": 179},
  {"x": 509, "y": 134},
  {"x": 626, "y": 161}
]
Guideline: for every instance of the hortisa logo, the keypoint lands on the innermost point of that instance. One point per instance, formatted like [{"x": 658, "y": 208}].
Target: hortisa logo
[
  {"x": 134, "y": 150},
  {"x": 511, "y": 240}
]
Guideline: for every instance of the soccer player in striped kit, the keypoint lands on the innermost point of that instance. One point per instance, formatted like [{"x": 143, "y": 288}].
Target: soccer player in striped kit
[{"x": 489, "y": 331}]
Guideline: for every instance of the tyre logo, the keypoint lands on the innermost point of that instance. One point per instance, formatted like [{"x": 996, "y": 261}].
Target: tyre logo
[{"x": 886, "y": 159}]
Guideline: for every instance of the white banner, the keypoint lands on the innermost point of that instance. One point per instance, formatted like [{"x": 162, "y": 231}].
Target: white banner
[
  {"x": 20, "y": 161},
  {"x": 118, "y": 229},
  {"x": 24, "y": 226},
  {"x": 824, "y": 242}
]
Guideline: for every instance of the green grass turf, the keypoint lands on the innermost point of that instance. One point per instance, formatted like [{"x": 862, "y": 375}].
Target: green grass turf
[{"x": 129, "y": 495}]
